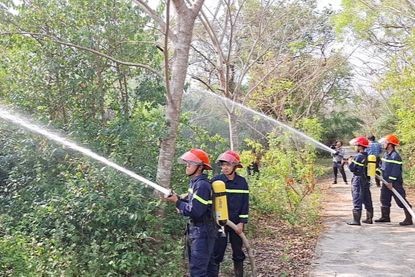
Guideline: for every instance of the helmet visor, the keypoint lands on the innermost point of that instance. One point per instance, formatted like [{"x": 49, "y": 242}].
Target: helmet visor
[
  {"x": 353, "y": 142},
  {"x": 189, "y": 158},
  {"x": 225, "y": 157}
]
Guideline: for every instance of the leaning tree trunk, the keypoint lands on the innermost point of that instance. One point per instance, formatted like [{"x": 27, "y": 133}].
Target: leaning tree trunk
[{"x": 181, "y": 44}]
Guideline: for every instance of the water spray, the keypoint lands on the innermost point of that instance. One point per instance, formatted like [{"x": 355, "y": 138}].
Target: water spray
[
  {"x": 7, "y": 115},
  {"x": 254, "y": 115}
]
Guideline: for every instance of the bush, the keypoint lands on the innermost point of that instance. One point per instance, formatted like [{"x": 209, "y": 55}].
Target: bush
[{"x": 287, "y": 182}]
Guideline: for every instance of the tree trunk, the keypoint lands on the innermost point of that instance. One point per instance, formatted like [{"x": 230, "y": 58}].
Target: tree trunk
[{"x": 181, "y": 44}]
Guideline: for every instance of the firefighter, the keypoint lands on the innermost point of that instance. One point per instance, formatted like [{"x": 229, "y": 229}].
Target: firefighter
[
  {"x": 360, "y": 183},
  {"x": 201, "y": 229},
  {"x": 338, "y": 161},
  {"x": 237, "y": 194},
  {"x": 391, "y": 170}
]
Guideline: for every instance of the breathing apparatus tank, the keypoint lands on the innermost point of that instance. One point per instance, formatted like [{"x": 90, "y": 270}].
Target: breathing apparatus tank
[
  {"x": 220, "y": 203},
  {"x": 371, "y": 166}
]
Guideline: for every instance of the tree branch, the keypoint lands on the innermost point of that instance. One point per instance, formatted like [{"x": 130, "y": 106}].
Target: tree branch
[
  {"x": 42, "y": 36},
  {"x": 197, "y": 7},
  {"x": 203, "y": 82},
  {"x": 152, "y": 13}
]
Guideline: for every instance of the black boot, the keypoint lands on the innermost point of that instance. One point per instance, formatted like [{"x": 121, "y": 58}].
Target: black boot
[
  {"x": 238, "y": 268},
  {"x": 408, "y": 219},
  {"x": 369, "y": 216},
  {"x": 385, "y": 215},
  {"x": 356, "y": 218}
]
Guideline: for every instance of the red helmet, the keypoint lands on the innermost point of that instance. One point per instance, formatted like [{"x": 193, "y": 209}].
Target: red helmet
[
  {"x": 393, "y": 139},
  {"x": 362, "y": 141},
  {"x": 231, "y": 157},
  {"x": 196, "y": 156}
]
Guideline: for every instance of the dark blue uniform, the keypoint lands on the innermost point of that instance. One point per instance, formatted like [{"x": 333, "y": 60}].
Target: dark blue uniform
[
  {"x": 237, "y": 194},
  {"x": 392, "y": 172},
  {"x": 201, "y": 231},
  {"x": 360, "y": 184}
]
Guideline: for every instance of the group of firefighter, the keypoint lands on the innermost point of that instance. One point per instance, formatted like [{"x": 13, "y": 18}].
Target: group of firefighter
[
  {"x": 206, "y": 243},
  {"x": 388, "y": 169}
]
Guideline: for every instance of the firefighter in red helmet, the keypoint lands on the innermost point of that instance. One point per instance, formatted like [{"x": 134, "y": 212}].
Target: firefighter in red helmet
[
  {"x": 391, "y": 170},
  {"x": 237, "y": 194},
  {"x": 360, "y": 182},
  {"x": 201, "y": 230}
]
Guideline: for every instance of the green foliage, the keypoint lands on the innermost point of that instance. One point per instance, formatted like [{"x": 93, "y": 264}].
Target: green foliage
[
  {"x": 286, "y": 185},
  {"x": 356, "y": 15},
  {"x": 65, "y": 215},
  {"x": 402, "y": 81},
  {"x": 74, "y": 217},
  {"x": 14, "y": 256},
  {"x": 68, "y": 84},
  {"x": 387, "y": 26},
  {"x": 340, "y": 125}
]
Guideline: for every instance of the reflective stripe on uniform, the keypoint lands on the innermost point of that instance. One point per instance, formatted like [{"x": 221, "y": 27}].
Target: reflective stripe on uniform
[
  {"x": 392, "y": 178},
  {"x": 391, "y": 161},
  {"x": 201, "y": 200},
  {"x": 357, "y": 163},
  {"x": 243, "y": 216},
  {"x": 237, "y": 191}
]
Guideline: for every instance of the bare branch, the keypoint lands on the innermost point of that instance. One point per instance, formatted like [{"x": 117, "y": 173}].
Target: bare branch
[
  {"x": 206, "y": 84},
  {"x": 152, "y": 13}
]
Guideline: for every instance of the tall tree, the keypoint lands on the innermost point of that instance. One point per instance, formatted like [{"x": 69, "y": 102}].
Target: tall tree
[
  {"x": 244, "y": 50},
  {"x": 79, "y": 57},
  {"x": 181, "y": 37}
]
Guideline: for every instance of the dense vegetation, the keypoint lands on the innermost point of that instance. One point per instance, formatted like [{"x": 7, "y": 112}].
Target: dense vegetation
[
  {"x": 91, "y": 69},
  {"x": 385, "y": 30}
]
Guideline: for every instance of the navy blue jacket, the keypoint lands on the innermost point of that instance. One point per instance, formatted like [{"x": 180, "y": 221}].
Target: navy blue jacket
[
  {"x": 392, "y": 168},
  {"x": 359, "y": 165},
  {"x": 198, "y": 206},
  {"x": 237, "y": 195}
]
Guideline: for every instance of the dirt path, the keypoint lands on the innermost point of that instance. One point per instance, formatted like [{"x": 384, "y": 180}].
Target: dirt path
[{"x": 380, "y": 249}]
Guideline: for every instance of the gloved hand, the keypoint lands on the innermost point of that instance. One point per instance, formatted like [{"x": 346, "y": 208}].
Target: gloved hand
[{"x": 172, "y": 198}]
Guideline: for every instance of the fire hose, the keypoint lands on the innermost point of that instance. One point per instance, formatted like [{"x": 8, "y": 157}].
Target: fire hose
[
  {"x": 221, "y": 211},
  {"x": 399, "y": 196},
  {"x": 8, "y": 116},
  {"x": 246, "y": 244}
]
